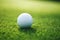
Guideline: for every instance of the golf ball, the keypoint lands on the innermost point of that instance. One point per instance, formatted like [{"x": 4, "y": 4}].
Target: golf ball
[{"x": 24, "y": 20}]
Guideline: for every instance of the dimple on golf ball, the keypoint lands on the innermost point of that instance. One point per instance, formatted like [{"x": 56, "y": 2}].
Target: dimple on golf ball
[{"x": 24, "y": 20}]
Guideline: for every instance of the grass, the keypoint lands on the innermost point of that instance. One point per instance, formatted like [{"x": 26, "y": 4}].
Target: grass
[{"x": 46, "y": 25}]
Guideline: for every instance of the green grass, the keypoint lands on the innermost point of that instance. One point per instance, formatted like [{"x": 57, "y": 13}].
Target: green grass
[
  {"x": 45, "y": 27},
  {"x": 46, "y": 24}
]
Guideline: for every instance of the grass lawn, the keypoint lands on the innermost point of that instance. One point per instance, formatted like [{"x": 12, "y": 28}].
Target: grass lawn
[{"x": 46, "y": 21}]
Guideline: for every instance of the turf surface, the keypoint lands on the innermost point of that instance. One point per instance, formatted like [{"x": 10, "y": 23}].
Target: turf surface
[{"x": 46, "y": 24}]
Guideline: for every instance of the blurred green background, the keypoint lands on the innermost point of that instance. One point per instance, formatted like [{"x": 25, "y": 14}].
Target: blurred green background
[{"x": 46, "y": 19}]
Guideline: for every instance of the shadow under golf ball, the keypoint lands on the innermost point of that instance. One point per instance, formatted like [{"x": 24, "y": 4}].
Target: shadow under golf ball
[{"x": 27, "y": 30}]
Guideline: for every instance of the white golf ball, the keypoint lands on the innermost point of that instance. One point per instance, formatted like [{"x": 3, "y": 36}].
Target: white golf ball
[{"x": 24, "y": 20}]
